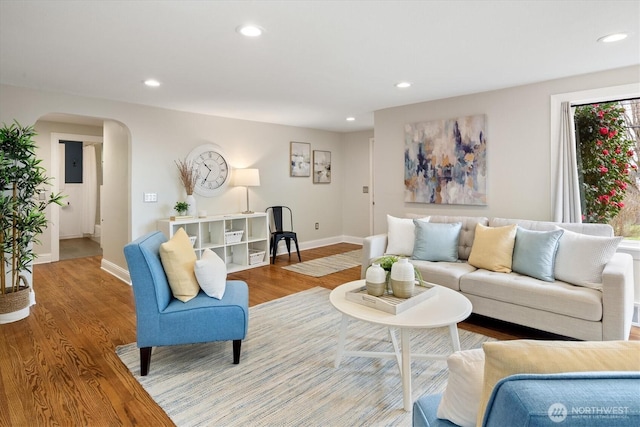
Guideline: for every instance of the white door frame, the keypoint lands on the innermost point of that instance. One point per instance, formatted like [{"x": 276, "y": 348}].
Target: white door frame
[
  {"x": 55, "y": 184},
  {"x": 371, "y": 187}
]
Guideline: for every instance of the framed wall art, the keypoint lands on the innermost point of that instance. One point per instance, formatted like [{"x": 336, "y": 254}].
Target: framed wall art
[
  {"x": 321, "y": 167},
  {"x": 300, "y": 155},
  {"x": 445, "y": 161}
]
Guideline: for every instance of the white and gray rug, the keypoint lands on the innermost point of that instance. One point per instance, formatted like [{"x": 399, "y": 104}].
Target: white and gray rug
[
  {"x": 327, "y": 265},
  {"x": 286, "y": 375}
]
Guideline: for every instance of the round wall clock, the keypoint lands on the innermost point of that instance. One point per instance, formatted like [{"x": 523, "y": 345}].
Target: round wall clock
[{"x": 212, "y": 169}]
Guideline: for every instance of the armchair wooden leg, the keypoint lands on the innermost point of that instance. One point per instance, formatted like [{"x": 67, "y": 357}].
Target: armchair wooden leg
[
  {"x": 145, "y": 360},
  {"x": 236, "y": 351}
]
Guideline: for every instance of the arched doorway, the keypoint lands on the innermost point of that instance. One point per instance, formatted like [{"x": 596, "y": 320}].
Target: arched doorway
[{"x": 115, "y": 141}]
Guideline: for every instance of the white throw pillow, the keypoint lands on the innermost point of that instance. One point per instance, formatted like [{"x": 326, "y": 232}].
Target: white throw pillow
[
  {"x": 401, "y": 235},
  {"x": 211, "y": 273},
  {"x": 461, "y": 399},
  {"x": 581, "y": 258}
]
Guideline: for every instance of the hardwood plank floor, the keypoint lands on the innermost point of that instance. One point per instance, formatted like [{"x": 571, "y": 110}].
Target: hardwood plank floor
[{"x": 59, "y": 367}]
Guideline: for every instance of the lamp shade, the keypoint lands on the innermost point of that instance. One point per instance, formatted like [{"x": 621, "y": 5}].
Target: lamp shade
[{"x": 247, "y": 178}]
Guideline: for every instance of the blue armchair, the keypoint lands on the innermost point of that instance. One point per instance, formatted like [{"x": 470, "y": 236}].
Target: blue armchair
[{"x": 162, "y": 320}]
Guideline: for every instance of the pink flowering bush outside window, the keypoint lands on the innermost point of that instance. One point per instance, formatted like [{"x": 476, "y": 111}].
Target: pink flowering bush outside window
[{"x": 606, "y": 160}]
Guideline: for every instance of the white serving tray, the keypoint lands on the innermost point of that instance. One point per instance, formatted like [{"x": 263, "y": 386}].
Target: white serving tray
[{"x": 390, "y": 303}]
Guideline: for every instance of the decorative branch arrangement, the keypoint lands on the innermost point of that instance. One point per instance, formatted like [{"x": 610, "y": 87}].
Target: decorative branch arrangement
[{"x": 187, "y": 175}]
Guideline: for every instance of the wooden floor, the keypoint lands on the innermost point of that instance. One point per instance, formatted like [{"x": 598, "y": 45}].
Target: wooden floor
[{"x": 59, "y": 367}]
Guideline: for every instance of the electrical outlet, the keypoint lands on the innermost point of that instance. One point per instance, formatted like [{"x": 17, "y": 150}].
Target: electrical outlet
[{"x": 317, "y": 226}]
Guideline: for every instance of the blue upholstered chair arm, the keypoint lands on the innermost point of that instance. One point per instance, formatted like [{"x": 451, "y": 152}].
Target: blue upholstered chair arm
[
  {"x": 151, "y": 288},
  {"x": 425, "y": 412},
  {"x": 577, "y": 399}
]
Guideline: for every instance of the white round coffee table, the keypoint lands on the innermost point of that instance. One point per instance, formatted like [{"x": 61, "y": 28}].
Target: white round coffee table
[{"x": 444, "y": 309}]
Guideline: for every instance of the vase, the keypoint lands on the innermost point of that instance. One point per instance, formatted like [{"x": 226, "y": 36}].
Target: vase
[
  {"x": 402, "y": 278},
  {"x": 376, "y": 280},
  {"x": 192, "y": 209}
]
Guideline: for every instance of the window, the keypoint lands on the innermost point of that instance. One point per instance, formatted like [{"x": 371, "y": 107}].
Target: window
[{"x": 608, "y": 143}]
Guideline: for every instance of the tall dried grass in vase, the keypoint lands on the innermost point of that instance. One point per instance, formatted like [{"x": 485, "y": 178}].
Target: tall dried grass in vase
[{"x": 188, "y": 175}]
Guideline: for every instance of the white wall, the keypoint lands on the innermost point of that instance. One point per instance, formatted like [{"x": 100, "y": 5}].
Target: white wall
[
  {"x": 355, "y": 209},
  {"x": 158, "y": 137},
  {"x": 116, "y": 222},
  {"x": 520, "y": 164},
  {"x": 520, "y": 168}
]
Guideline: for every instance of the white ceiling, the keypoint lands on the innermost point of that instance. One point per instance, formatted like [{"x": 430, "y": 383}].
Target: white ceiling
[{"x": 317, "y": 62}]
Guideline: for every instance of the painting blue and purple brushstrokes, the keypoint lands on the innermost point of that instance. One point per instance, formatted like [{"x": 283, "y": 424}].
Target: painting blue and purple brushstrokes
[{"x": 445, "y": 161}]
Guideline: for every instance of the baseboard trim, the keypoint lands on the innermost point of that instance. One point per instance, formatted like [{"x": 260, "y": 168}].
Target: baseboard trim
[
  {"x": 116, "y": 271},
  {"x": 42, "y": 259},
  {"x": 312, "y": 244},
  {"x": 123, "y": 274}
]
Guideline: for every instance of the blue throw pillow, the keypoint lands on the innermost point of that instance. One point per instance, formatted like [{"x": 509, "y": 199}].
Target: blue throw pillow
[
  {"x": 436, "y": 241},
  {"x": 534, "y": 253}
]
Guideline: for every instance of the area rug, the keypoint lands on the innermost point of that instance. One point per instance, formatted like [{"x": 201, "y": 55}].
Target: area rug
[
  {"x": 327, "y": 265},
  {"x": 286, "y": 375}
]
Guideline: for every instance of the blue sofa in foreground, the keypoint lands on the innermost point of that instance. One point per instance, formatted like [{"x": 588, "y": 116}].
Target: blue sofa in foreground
[{"x": 564, "y": 399}]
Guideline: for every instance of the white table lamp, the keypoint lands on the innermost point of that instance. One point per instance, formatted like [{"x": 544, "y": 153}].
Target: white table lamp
[{"x": 247, "y": 178}]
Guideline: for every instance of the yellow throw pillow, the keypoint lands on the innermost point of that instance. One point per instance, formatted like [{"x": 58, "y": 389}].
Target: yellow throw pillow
[
  {"x": 505, "y": 358},
  {"x": 178, "y": 260},
  {"x": 493, "y": 248}
]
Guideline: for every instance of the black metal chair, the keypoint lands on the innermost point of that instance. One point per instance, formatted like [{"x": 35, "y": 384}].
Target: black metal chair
[{"x": 280, "y": 229}]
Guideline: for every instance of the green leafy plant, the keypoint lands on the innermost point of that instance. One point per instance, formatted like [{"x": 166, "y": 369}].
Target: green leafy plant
[
  {"x": 386, "y": 262},
  {"x": 22, "y": 203},
  {"x": 181, "y": 207},
  {"x": 606, "y": 158}
]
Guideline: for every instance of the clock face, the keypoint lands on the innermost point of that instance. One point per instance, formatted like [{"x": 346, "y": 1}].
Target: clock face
[{"x": 212, "y": 169}]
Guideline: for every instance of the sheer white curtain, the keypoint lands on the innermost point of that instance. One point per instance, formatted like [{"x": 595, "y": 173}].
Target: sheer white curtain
[
  {"x": 567, "y": 206},
  {"x": 89, "y": 189}
]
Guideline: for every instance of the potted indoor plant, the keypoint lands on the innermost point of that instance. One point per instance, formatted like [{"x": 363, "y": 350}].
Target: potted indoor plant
[
  {"x": 181, "y": 208},
  {"x": 22, "y": 216}
]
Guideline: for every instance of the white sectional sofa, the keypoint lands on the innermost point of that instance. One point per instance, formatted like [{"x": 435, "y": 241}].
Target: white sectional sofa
[{"x": 602, "y": 312}]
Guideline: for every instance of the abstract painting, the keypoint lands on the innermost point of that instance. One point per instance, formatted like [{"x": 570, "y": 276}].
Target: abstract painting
[
  {"x": 321, "y": 167},
  {"x": 300, "y": 158},
  {"x": 445, "y": 161}
]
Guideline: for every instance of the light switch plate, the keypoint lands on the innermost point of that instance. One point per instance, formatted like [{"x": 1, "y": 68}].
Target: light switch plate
[{"x": 150, "y": 197}]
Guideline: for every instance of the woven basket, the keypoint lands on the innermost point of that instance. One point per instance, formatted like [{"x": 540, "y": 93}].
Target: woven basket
[{"x": 15, "y": 301}]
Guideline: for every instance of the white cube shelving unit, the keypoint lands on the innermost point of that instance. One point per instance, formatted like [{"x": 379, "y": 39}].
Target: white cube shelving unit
[{"x": 238, "y": 239}]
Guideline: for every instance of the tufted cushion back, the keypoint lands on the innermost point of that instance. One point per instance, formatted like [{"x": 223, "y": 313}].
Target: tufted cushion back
[
  {"x": 467, "y": 233},
  {"x": 604, "y": 230}
]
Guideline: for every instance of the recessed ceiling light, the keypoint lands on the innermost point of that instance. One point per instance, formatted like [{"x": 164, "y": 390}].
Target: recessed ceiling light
[
  {"x": 250, "y": 30},
  {"x": 351, "y": 119},
  {"x": 403, "y": 85},
  {"x": 152, "y": 83},
  {"x": 613, "y": 38}
]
